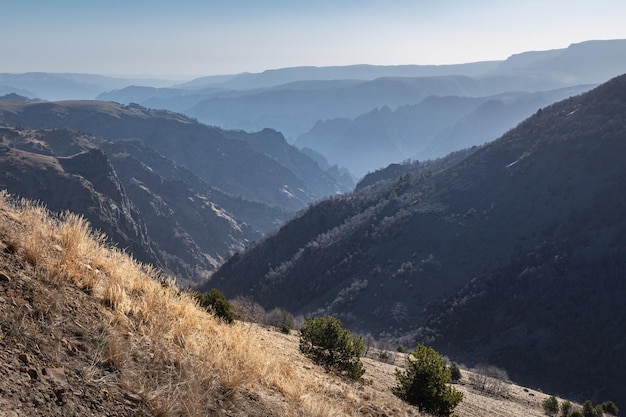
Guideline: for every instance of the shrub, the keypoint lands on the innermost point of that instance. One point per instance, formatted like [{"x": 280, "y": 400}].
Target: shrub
[
  {"x": 280, "y": 318},
  {"x": 588, "y": 409},
  {"x": 610, "y": 408},
  {"x": 566, "y": 408},
  {"x": 551, "y": 405},
  {"x": 330, "y": 345},
  {"x": 576, "y": 413},
  {"x": 215, "y": 301},
  {"x": 490, "y": 378},
  {"x": 424, "y": 383},
  {"x": 455, "y": 372}
]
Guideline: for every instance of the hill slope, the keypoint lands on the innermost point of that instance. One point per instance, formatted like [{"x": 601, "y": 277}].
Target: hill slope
[
  {"x": 178, "y": 194},
  {"x": 545, "y": 201},
  {"x": 85, "y": 330}
]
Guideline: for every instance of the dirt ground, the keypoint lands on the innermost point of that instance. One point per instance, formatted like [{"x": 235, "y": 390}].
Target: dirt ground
[
  {"x": 516, "y": 402},
  {"x": 50, "y": 345}
]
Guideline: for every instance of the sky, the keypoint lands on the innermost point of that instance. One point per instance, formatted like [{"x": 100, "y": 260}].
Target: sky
[{"x": 190, "y": 38}]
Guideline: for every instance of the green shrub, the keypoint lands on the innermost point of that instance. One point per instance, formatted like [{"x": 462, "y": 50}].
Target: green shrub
[
  {"x": 576, "y": 414},
  {"x": 550, "y": 405},
  {"x": 424, "y": 383},
  {"x": 455, "y": 373},
  {"x": 588, "y": 409},
  {"x": 330, "y": 345},
  {"x": 610, "y": 408},
  {"x": 566, "y": 408},
  {"x": 215, "y": 301}
]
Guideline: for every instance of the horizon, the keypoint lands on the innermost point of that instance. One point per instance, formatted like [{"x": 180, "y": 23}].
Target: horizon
[{"x": 148, "y": 39}]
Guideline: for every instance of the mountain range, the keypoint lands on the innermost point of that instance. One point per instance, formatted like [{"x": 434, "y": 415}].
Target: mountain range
[
  {"x": 507, "y": 252},
  {"x": 510, "y": 253},
  {"x": 174, "y": 192},
  {"x": 332, "y": 110}
]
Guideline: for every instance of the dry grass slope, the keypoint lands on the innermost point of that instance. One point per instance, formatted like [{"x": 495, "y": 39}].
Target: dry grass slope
[{"x": 164, "y": 351}]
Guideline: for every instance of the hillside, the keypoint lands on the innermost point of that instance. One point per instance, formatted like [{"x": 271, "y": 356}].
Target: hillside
[
  {"x": 430, "y": 129},
  {"x": 453, "y": 249},
  {"x": 222, "y": 162},
  {"x": 173, "y": 192},
  {"x": 155, "y": 209},
  {"x": 86, "y": 330}
]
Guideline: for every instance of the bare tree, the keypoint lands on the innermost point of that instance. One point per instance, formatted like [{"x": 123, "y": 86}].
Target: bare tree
[{"x": 490, "y": 379}]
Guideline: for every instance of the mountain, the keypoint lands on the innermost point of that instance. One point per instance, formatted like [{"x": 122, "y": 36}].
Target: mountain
[
  {"x": 431, "y": 129},
  {"x": 65, "y": 86},
  {"x": 173, "y": 192},
  {"x": 313, "y": 106},
  {"x": 510, "y": 253},
  {"x": 144, "y": 203},
  {"x": 276, "y": 77},
  {"x": 87, "y": 330},
  {"x": 226, "y": 163}
]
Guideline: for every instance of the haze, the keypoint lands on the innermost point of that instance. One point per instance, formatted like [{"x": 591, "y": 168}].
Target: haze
[{"x": 193, "y": 38}]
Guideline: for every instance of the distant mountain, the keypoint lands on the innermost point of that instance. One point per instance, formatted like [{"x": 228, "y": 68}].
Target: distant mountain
[
  {"x": 276, "y": 77},
  {"x": 589, "y": 62},
  {"x": 221, "y": 159},
  {"x": 13, "y": 97},
  {"x": 510, "y": 253},
  {"x": 298, "y": 101},
  {"x": 65, "y": 86},
  {"x": 175, "y": 193},
  {"x": 428, "y": 130},
  {"x": 146, "y": 204}
]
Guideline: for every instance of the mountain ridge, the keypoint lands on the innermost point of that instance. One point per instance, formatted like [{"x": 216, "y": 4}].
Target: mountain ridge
[{"x": 386, "y": 258}]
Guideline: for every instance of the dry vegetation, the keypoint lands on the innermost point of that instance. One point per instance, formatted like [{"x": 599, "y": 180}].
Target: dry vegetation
[{"x": 163, "y": 351}]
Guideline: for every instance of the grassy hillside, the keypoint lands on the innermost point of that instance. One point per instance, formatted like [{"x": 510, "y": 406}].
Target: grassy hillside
[{"x": 87, "y": 330}]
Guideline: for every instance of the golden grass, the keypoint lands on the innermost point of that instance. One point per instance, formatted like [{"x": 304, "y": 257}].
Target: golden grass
[
  {"x": 183, "y": 361},
  {"x": 180, "y": 359}
]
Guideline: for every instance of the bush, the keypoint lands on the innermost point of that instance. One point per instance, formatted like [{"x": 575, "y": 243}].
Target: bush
[
  {"x": 280, "y": 318},
  {"x": 215, "y": 302},
  {"x": 551, "y": 405},
  {"x": 609, "y": 407},
  {"x": 330, "y": 345},
  {"x": 588, "y": 409},
  {"x": 566, "y": 408},
  {"x": 455, "y": 373},
  {"x": 424, "y": 383},
  {"x": 491, "y": 379}
]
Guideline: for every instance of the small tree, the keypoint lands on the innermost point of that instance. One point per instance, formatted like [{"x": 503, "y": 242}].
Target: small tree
[
  {"x": 566, "y": 408},
  {"x": 551, "y": 405},
  {"x": 588, "y": 409},
  {"x": 424, "y": 383},
  {"x": 330, "y": 345},
  {"x": 215, "y": 301},
  {"x": 455, "y": 373},
  {"x": 610, "y": 408}
]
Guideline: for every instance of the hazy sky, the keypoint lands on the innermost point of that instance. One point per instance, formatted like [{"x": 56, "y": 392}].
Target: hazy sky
[{"x": 204, "y": 37}]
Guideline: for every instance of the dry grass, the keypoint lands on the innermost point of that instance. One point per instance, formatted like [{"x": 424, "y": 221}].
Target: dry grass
[
  {"x": 174, "y": 354},
  {"x": 181, "y": 360}
]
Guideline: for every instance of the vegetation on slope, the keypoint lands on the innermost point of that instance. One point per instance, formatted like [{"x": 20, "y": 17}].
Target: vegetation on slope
[
  {"x": 156, "y": 342},
  {"x": 87, "y": 330}
]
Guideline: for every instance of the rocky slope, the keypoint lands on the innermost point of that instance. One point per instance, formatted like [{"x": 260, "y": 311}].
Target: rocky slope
[{"x": 85, "y": 330}]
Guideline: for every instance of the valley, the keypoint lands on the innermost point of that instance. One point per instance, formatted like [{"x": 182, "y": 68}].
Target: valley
[{"x": 477, "y": 208}]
